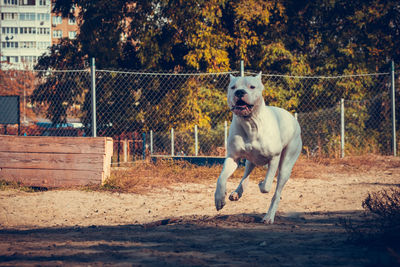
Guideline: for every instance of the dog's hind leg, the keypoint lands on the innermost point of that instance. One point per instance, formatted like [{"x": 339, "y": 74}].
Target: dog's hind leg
[
  {"x": 265, "y": 185},
  {"x": 288, "y": 159},
  {"x": 237, "y": 194}
]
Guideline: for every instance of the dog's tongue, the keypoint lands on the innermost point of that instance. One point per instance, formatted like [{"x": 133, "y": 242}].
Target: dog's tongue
[
  {"x": 241, "y": 104},
  {"x": 241, "y": 110},
  {"x": 241, "y": 107}
]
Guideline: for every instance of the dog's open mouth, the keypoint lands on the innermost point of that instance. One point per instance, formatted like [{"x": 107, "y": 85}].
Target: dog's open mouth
[{"x": 241, "y": 108}]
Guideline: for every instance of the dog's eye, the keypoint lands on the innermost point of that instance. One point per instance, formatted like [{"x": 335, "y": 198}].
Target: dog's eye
[
  {"x": 233, "y": 87},
  {"x": 252, "y": 87}
]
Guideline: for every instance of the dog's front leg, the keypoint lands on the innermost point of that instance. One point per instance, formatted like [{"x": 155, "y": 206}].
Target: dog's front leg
[
  {"x": 265, "y": 185},
  {"x": 237, "y": 194},
  {"x": 230, "y": 166}
]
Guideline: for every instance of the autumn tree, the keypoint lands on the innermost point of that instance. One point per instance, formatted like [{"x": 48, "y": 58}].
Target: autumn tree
[
  {"x": 102, "y": 28},
  {"x": 58, "y": 89},
  {"x": 322, "y": 37},
  {"x": 296, "y": 37}
]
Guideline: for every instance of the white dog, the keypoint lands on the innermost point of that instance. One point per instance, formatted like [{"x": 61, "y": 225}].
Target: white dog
[{"x": 261, "y": 134}]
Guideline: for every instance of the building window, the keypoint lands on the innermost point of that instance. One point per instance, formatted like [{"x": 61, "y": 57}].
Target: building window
[
  {"x": 27, "y": 2},
  {"x": 57, "y": 34},
  {"x": 27, "y": 16},
  {"x": 28, "y": 45},
  {"x": 44, "y": 31},
  {"x": 72, "y": 21},
  {"x": 9, "y": 16},
  {"x": 9, "y": 59},
  {"x": 43, "y": 45},
  {"x": 27, "y": 30},
  {"x": 9, "y": 30},
  {"x": 43, "y": 17},
  {"x": 43, "y": 2},
  {"x": 72, "y": 35},
  {"x": 57, "y": 20},
  {"x": 10, "y": 2},
  {"x": 9, "y": 44},
  {"x": 28, "y": 59}
]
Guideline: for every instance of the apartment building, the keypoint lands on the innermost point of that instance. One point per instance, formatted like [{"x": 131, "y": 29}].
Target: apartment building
[
  {"x": 28, "y": 29},
  {"x": 64, "y": 27},
  {"x": 25, "y": 28}
]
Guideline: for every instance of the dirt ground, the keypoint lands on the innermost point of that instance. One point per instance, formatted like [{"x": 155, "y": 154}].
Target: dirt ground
[{"x": 179, "y": 226}]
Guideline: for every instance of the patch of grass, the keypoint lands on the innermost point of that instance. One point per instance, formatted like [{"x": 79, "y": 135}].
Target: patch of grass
[
  {"x": 6, "y": 185},
  {"x": 144, "y": 176},
  {"x": 365, "y": 163}
]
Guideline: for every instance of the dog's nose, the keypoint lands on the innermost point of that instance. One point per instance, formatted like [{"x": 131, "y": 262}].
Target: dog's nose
[{"x": 240, "y": 93}]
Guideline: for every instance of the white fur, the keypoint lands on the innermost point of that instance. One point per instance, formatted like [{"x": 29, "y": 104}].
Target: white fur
[{"x": 261, "y": 134}]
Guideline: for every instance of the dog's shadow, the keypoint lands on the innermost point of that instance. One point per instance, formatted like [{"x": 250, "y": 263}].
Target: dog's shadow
[{"x": 282, "y": 220}]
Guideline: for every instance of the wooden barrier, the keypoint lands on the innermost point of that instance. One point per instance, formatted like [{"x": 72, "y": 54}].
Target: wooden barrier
[{"x": 55, "y": 161}]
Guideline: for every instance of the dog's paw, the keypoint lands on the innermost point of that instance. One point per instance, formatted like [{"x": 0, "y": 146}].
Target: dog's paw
[
  {"x": 219, "y": 203},
  {"x": 268, "y": 219},
  {"x": 219, "y": 200},
  {"x": 263, "y": 187},
  {"x": 234, "y": 196}
]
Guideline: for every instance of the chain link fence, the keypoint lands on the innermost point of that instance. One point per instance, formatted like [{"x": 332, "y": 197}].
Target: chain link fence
[{"x": 186, "y": 113}]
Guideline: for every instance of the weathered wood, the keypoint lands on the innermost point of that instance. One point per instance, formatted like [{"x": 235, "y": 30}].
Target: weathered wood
[
  {"x": 107, "y": 159},
  {"x": 51, "y": 161},
  {"x": 50, "y": 144},
  {"x": 55, "y": 161},
  {"x": 51, "y": 178}
]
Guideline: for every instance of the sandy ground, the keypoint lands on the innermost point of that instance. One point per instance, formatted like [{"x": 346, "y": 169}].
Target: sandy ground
[{"x": 180, "y": 226}]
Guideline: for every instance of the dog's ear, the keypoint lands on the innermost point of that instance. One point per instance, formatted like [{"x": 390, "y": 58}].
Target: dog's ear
[
  {"x": 231, "y": 78},
  {"x": 259, "y": 77}
]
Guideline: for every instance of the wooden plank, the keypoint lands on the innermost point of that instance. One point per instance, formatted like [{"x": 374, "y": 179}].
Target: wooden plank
[
  {"x": 107, "y": 160},
  {"x": 55, "y": 161},
  {"x": 51, "y": 144},
  {"x": 51, "y": 161},
  {"x": 51, "y": 178}
]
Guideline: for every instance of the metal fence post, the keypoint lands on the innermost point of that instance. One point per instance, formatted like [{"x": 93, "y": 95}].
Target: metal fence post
[
  {"x": 342, "y": 128},
  {"x": 118, "y": 149},
  {"x": 394, "y": 142},
  {"x": 125, "y": 149},
  {"x": 172, "y": 142},
  {"x": 144, "y": 146},
  {"x": 241, "y": 68},
  {"x": 151, "y": 142},
  {"x": 196, "y": 141},
  {"x": 93, "y": 74}
]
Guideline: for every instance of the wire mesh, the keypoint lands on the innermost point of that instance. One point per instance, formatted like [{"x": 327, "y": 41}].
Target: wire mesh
[{"x": 130, "y": 104}]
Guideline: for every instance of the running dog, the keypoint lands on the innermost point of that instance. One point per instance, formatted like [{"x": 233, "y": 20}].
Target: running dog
[{"x": 263, "y": 135}]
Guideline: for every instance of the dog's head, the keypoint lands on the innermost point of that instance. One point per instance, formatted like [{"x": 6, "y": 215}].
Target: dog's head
[{"x": 245, "y": 95}]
